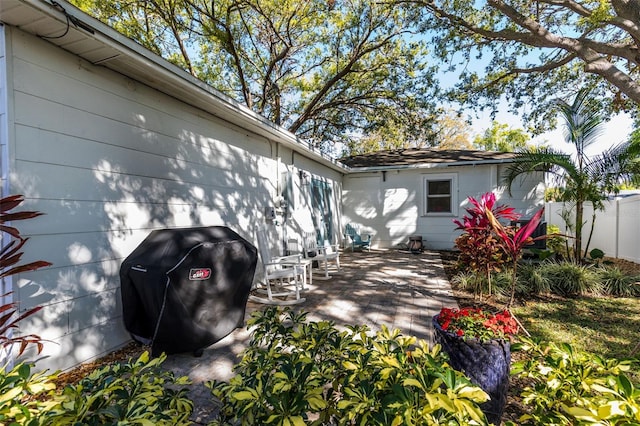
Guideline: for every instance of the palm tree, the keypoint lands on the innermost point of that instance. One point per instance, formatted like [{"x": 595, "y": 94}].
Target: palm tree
[{"x": 580, "y": 178}]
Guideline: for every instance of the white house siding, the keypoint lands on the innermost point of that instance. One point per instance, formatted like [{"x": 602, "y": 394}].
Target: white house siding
[
  {"x": 5, "y": 285},
  {"x": 301, "y": 219},
  {"x": 109, "y": 160},
  {"x": 390, "y": 205}
]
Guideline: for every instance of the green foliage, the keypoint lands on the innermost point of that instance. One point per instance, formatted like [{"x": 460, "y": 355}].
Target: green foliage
[
  {"x": 552, "y": 193},
  {"x": 465, "y": 280},
  {"x": 568, "y": 278},
  {"x": 596, "y": 254},
  {"x": 480, "y": 248},
  {"x": 570, "y": 387},
  {"x": 453, "y": 131},
  {"x": 557, "y": 277},
  {"x": 296, "y": 373},
  {"x": 136, "y": 392},
  {"x": 535, "y": 52},
  {"x": 500, "y": 282},
  {"x": 555, "y": 241},
  {"x": 532, "y": 280},
  {"x": 502, "y": 138},
  {"x": 619, "y": 283},
  {"x": 579, "y": 178},
  {"x": 326, "y": 71},
  {"x": 24, "y": 395}
]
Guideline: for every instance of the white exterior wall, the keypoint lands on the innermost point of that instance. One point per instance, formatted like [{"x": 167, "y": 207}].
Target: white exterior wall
[
  {"x": 616, "y": 231},
  {"x": 109, "y": 160},
  {"x": 391, "y": 205}
]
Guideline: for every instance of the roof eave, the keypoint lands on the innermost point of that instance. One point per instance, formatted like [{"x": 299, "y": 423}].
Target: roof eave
[{"x": 427, "y": 165}]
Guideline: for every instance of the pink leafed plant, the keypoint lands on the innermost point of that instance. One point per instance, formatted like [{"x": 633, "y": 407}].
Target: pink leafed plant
[
  {"x": 514, "y": 241},
  {"x": 10, "y": 255},
  {"x": 476, "y": 217},
  {"x": 479, "y": 247}
]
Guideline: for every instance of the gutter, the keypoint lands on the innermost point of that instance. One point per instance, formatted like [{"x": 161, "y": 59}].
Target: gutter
[{"x": 426, "y": 165}]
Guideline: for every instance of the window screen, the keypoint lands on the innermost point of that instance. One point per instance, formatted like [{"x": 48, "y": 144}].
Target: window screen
[{"x": 439, "y": 196}]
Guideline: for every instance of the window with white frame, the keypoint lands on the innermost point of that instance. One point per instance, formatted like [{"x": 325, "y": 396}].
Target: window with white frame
[{"x": 440, "y": 194}]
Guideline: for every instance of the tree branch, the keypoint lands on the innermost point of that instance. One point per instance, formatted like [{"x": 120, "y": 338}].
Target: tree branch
[{"x": 532, "y": 70}]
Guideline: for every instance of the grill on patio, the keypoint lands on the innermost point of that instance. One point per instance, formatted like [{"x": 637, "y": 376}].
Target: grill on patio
[{"x": 185, "y": 289}]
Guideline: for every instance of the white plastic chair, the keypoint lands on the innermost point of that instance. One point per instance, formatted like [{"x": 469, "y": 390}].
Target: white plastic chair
[{"x": 284, "y": 276}]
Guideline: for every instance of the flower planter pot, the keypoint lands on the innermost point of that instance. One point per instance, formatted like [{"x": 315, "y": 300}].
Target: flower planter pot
[{"x": 485, "y": 363}]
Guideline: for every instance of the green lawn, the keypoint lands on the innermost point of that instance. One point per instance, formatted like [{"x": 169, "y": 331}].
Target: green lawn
[{"x": 606, "y": 326}]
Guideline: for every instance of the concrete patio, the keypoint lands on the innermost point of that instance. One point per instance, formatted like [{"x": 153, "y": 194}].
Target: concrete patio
[{"x": 396, "y": 288}]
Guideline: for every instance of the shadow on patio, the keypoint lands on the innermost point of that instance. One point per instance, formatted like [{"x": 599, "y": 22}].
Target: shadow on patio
[{"x": 396, "y": 288}]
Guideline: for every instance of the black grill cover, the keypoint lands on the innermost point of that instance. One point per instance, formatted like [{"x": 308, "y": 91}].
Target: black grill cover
[{"x": 185, "y": 289}]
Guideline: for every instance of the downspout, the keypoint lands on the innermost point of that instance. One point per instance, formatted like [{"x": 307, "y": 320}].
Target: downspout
[
  {"x": 6, "y": 120},
  {"x": 494, "y": 177},
  {"x": 278, "y": 202}
]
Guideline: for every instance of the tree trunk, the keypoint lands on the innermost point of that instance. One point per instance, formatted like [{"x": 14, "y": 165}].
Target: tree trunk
[
  {"x": 593, "y": 223},
  {"x": 578, "y": 241},
  {"x": 514, "y": 277}
]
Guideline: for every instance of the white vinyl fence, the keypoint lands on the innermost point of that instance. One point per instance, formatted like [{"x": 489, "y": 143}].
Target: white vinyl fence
[{"x": 617, "y": 228}]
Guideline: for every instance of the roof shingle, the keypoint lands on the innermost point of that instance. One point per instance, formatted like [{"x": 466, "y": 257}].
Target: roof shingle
[{"x": 410, "y": 157}]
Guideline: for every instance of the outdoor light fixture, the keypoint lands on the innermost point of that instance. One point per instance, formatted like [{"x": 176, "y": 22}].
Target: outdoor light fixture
[{"x": 304, "y": 177}]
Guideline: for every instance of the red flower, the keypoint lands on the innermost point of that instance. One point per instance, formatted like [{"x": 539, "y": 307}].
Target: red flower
[
  {"x": 475, "y": 323},
  {"x": 445, "y": 324}
]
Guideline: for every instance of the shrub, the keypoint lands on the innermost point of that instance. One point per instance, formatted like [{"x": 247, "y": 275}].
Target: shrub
[
  {"x": 596, "y": 255},
  {"x": 502, "y": 281},
  {"x": 556, "y": 242},
  {"x": 136, "y": 392},
  {"x": 296, "y": 373},
  {"x": 569, "y": 278},
  {"x": 479, "y": 248},
  {"x": 10, "y": 256},
  {"x": 532, "y": 280},
  {"x": 514, "y": 241},
  {"x": 24, "y": 395},
  {"x": 618, "y": 283},
  {"x": 570, "y": 387},
  {"x": 466, "y": 280}
]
